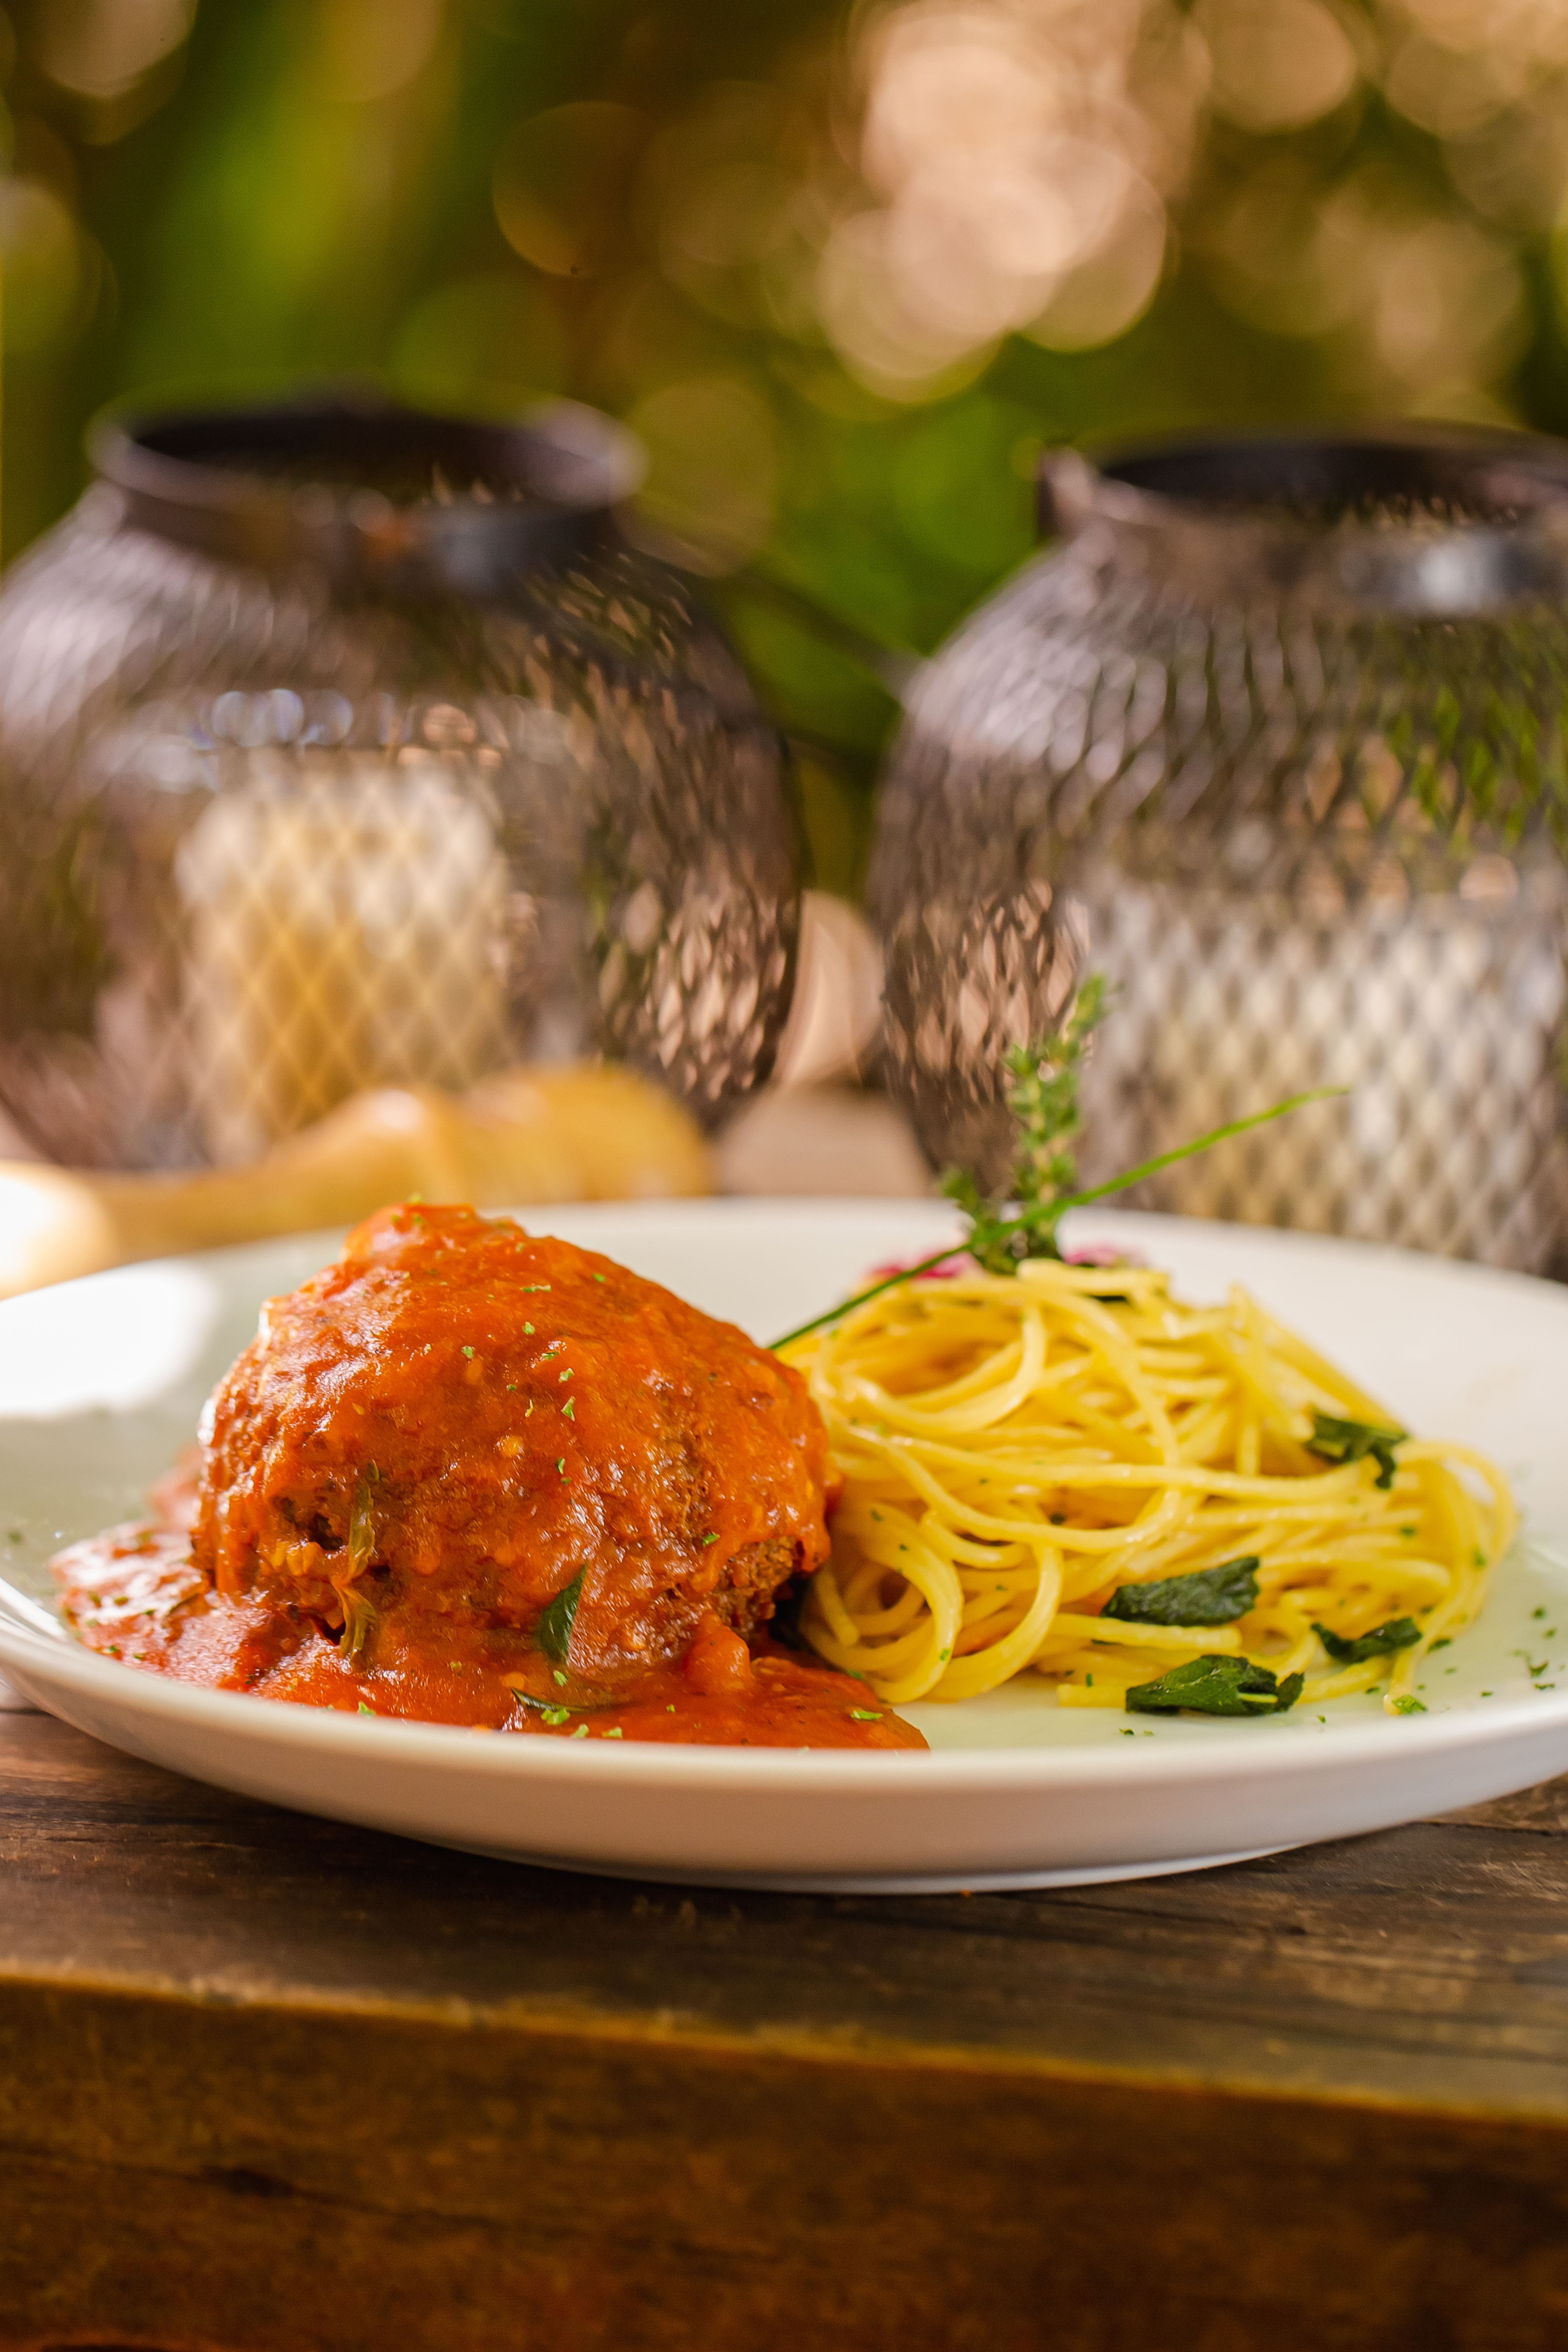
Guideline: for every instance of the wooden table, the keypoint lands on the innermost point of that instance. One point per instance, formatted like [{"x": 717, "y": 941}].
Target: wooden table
[{"x": 269, "y": 2084}]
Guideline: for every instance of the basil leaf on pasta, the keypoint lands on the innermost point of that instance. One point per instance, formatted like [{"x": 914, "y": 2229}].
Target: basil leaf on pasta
[
  {"x": 1216, "y": 1686},
  {"x": 1333, "y": 1440},
  {"x": 1398, "y": 1633},
  {"x": 1209, "y": 1596}
]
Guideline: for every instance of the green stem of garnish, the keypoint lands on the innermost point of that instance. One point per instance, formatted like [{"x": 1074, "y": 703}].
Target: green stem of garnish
[{"x": 1052, "y": 1210}]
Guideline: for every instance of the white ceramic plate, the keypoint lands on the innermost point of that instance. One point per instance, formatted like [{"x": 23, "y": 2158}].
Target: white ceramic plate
[{"x": 100, "y": 1381}]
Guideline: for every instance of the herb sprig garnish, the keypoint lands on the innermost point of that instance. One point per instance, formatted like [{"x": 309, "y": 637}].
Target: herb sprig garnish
[
  {"x": 1045, "y": 1105},
  {"x": 1043, "y": 1099}
]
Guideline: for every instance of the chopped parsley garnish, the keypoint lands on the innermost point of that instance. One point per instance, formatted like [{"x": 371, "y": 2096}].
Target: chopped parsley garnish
[
  {"x": 561, "y": 1464},
  {"x": 600, "y": 1277},
  {"x": 549, "y": 1709},
  {"x": 567, "y": 1410},
  {"x": 1337, "y": 1441},
  {"x": 554, "y": 1629},
  {"x": 1398, "y": 1633},
  {"x": 1210, "y": 1596},
  {"x": 865, "y": 1714},
  {"x": 469, "y": 1352},
  {"x": 365, "y": 1710},
  {"x": 1408, "y": 1705},
  {"x": 709, "y": 1540},
  {"x": 1216, "y": 1685}
]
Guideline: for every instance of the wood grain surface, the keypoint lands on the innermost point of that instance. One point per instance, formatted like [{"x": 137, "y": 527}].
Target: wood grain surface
[{"x": 271, "y": 2084}]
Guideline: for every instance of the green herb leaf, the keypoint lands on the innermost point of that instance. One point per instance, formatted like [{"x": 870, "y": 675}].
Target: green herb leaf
[
  {"x": 1333, "y": 1440},
  {"x": 1408, "y": 1705},
  {"x": 365, "y": 1710},
  {"x": 358, "y": 1626},
  {"x": 1216, "y": 1686},
  {"x": 554, "y": 1633},
  {"x": 865, "y": 1714},
  {"x": 1210, "y": 1596},
  {"x": 1398, "y": 1633}
]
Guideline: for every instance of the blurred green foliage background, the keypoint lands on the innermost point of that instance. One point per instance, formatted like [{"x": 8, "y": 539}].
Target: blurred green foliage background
[{"x": 844, "y": 268}]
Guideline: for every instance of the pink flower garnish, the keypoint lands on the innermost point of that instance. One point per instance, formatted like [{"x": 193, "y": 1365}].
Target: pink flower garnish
[{"x": 946, "y": 1272}]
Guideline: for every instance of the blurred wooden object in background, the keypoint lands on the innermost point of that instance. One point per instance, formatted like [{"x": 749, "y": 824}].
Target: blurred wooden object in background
[{"x": 575, "y": 1133}]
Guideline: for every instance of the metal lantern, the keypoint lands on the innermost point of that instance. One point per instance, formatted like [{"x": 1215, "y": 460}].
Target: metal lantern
[
  {"x": 340, "y": 746},
  {"x": 1274, "y": 738}
]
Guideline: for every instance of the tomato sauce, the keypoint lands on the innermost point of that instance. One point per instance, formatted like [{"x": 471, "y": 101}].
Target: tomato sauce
[{"x": 468, "y": 1476}]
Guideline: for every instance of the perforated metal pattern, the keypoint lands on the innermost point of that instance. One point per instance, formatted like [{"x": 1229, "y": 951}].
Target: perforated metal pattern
[
  {"x": 1308, "y": 850},
  {"x": 265, "y": 845}
]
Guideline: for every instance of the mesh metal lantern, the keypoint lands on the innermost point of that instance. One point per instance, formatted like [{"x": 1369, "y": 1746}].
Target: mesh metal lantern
[
  {"x": 1274, "y": 738},
  {"x": 340, "y": 746}
]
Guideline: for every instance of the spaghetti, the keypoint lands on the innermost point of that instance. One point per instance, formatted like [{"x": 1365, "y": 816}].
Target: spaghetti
[{"x": 1018, "y": 1452}]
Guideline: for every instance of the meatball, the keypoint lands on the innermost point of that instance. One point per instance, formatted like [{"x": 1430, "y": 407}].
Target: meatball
[{"x": 460, "y": 1431}]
